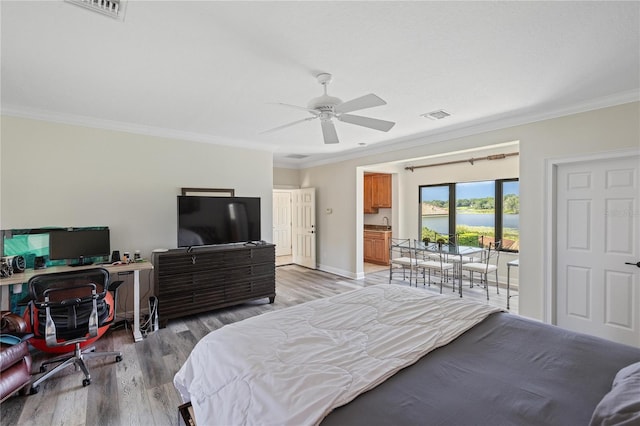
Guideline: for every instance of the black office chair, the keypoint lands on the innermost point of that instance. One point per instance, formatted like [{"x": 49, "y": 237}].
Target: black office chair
[{"x": 69, "y": 311}]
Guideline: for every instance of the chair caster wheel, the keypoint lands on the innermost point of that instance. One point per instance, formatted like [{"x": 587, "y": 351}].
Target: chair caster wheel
[
  {"x": 86, "y": 382},
  {"x": 43, "y": 369},
  {"x": 118, "y": 358},
  {"x": 34, "y": 390}
]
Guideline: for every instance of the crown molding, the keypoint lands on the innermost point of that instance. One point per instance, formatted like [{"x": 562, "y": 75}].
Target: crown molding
[
  {"x": 96, "y": 123},
  {"x": 509, "y": 119}
]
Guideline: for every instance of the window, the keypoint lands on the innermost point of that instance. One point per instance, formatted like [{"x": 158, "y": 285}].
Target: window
[
  {"x": 479, "y": 212},
  {"x": 510, "y": 223},
  {"x": 434, "y": 211}
]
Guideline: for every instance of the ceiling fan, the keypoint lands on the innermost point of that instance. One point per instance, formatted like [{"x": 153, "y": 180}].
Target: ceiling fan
[{"x": 327, "y": 107}]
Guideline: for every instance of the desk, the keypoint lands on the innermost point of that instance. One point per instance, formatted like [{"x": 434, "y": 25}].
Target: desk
[
  {"x": 451, "y": 250},
  {"x": 135, "y": 267},
  {"x": 515, "y": 263}
]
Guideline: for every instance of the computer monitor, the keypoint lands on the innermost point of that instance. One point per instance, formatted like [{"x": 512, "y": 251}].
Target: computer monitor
[{"x": 78, "y": 245}]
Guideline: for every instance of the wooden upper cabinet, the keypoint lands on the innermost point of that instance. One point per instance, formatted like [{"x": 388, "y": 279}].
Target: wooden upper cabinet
[
  {"x": 368, "y": 195},
  {"x": 377, "y": 192},
  {"x": 381, "y": 192}
]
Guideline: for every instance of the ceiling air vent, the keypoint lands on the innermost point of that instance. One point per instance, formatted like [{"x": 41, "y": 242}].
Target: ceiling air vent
[
  {"x": 297, "y": 156},
  {"x": 112, "y": 8},
  {"x": 437, "y": 115}
]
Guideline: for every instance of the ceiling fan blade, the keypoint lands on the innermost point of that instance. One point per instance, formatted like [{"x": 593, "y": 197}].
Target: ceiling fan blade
[
  {"x": 312, "y": 111},
  {"x": 287, "y": 125},
  {"x": 366, "y": 101},
  {"x": 372, "y": 123},
  {"x": 329, "y": 132}
]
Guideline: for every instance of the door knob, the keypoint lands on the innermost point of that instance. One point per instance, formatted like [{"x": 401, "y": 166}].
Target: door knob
[{"x": 631, "y": 263}]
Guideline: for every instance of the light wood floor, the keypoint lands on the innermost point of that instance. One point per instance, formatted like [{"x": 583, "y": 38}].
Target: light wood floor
[{"x": 139, "y": 390}]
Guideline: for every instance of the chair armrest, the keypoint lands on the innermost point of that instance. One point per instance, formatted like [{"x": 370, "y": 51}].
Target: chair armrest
[{"x": 10, "y": 354}]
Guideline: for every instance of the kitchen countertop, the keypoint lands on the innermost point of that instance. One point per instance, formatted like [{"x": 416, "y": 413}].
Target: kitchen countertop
[{"x": 378, "y": 228}]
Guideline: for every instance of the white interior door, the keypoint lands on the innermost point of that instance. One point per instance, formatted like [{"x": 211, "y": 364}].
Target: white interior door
[
  {"x": 303, "y": 221},
  {"x": 598, "y": 228},
  {"x": 282, "y": 222}
]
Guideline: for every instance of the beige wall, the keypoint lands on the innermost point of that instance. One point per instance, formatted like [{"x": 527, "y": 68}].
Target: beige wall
[
  {"x": 286, "y": 178},
  {"x": 340, "y": 187},
  {"x": 62, "y": 175},
  {"x": 336, "y": 190}
]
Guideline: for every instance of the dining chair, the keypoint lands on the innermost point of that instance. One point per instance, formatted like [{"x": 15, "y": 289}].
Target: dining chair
[
  {"x": 401, "y": 255},
  {"x": 431, "y": 258},
  {"x": 488, "y": 265}
]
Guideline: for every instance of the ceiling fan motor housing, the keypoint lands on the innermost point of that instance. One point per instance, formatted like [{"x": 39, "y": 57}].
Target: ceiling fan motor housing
[{"x": 324, "y": 103}]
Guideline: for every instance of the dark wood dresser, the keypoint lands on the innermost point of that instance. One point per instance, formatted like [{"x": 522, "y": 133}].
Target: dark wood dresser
[{"x": 214, "y": 277}]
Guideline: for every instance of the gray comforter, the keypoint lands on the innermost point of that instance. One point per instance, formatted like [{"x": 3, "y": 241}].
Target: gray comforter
[{"x": 506, "y": 370}]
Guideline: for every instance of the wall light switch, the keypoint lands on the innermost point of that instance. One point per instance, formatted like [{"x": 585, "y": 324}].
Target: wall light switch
[
  {"x": 329, "y": 211},
  {"x": 17, "y": 288}
]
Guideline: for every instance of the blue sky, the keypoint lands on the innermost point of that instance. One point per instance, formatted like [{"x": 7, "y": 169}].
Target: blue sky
[{"x": 468, "y": 190}]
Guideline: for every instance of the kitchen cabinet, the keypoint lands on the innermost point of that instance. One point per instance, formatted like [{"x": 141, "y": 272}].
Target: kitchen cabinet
[
  {"x": 376, "y": 247},
  {"x": 377, "y": 192},
  {"x": 381, "y": 192},
  {"x": 368, "y": 195}
]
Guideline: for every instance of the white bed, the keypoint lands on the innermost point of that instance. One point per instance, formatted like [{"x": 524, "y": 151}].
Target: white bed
[
  {"x": 296, "y": 365},
  {"x": 391, "y": 354}
]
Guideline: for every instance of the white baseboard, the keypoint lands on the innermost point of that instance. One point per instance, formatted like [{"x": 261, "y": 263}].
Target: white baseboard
[{"x": 341, "y": 272}]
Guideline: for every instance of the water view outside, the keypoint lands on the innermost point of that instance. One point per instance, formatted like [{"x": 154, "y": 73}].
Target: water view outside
[
  {"x": 435, "y": 211},
  {"x": 510, "y": 209},
  {"x": 475, "y": 213}
]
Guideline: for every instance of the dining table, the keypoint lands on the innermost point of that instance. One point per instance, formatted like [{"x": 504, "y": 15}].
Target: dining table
[{"x": 448, "y": 250}]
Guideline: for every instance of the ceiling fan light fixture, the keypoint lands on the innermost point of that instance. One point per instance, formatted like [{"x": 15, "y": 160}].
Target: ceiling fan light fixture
[{"x": 324, "y": 103}]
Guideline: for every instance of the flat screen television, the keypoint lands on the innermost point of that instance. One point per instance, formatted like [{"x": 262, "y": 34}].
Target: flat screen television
[
  {"x": 217, "y": 220},
  {"x": 79, "y": 245}
]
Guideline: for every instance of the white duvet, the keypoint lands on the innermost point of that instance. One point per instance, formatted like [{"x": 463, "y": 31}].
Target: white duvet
[{"x": 293, "y": 366}]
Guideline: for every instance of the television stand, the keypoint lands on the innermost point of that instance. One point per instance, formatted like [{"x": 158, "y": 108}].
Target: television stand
[{"x": 212, "y": 277}]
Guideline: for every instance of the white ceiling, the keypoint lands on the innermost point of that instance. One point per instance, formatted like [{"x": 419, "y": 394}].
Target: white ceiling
[{"x": 210, "y": 71}]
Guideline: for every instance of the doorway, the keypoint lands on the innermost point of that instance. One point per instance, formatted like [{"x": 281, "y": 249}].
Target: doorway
[
  {"x": 282, "y": 226},
  {"x": 294, "y": 227}
]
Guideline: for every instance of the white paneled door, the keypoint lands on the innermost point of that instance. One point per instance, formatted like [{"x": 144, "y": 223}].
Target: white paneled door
[
  {"x": 282, "y": 222},
  {"x": 303, "y": 210},
  {"x": 598, "y": 233}
]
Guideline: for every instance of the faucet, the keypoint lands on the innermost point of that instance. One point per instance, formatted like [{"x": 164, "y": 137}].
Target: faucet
[{"x": 386, "y": 221}]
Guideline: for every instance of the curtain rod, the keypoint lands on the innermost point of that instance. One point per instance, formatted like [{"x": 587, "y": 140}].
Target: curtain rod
[{"x": 470, "y": 160}]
